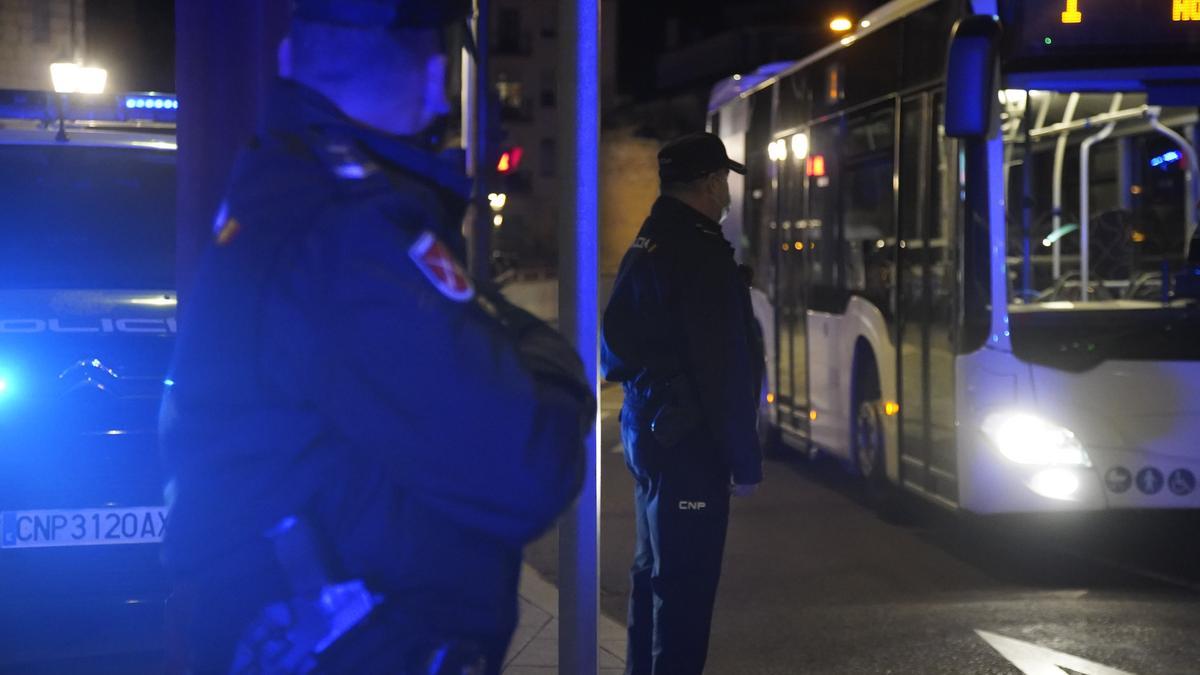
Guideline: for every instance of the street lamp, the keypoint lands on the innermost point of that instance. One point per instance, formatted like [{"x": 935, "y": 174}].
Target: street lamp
[
  {"x": 841, "y": 24},
  {"x": 69, "y": 78}
]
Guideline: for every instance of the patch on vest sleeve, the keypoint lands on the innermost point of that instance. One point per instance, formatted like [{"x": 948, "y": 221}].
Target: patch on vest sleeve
[
  {"x": 225, "y": 227},
  {"x": 438, "y": 265}
]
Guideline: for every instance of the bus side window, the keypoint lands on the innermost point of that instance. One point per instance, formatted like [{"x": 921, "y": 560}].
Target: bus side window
[{"x": 867, "y": 205}]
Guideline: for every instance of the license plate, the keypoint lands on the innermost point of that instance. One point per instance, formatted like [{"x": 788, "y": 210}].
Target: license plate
[{"x": 82, "y": 527}]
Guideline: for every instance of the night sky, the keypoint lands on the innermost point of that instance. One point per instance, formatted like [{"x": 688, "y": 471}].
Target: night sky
[
  {"x": 645, "y": 27},
  {"x": 135, "y": 38}
]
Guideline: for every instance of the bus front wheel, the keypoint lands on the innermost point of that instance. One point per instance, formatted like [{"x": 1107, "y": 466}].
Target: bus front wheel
[
  {"x": 868, "y": 442},
  {"x": 869, "y": 459}
]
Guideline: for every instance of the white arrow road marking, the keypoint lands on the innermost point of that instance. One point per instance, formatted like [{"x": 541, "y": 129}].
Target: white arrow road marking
[{"x": 1035, "y": 660}]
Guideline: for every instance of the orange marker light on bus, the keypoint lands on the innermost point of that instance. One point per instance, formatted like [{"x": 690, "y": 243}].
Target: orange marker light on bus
[
  {"x": 816, "y": 165},
  {"x": 770, "y": 397},
  {"x": 891, "y": 408},
  {"x": 812, "y": 415}
]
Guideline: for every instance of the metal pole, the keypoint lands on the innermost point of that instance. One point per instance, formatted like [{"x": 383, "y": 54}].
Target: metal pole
[
  {"x": 1191, "y": 189},
  {"x": 1056, "y": 199},
  {"x": 1085, "y": 214},
  {"x": 1027, "y": 203},
  {"x": 481, "y": 153},
  {"x": 225, "y": 56},
  {"x": 578, "y": 273}
]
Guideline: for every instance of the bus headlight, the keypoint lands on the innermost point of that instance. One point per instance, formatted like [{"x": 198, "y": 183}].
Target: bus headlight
[
  {"x": 1055, "y": 483},
  {"x": 1028, "y": 439}
]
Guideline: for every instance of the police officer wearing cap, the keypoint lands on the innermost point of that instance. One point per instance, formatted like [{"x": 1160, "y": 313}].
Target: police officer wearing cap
[
  {"x": 678, "y": 333},
  {"x": 360, "y": 438}
]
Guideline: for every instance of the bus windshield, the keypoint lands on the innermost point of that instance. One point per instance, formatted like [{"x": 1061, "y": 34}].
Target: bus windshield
[
  {"x": 87, "y": 217},
  {"x": 1101, "y": 200}
]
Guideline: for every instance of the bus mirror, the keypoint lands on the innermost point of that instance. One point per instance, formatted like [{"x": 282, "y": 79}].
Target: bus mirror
[{"x": 971, "y": 74}]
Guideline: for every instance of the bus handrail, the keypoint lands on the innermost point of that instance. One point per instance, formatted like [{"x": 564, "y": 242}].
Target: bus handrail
[
  {"x": 1060, "y": 153},
  {"x": 1085, "y": 156},
  {"x": 1190, "y": 188},
  {"x": 1086, "y": 122}
]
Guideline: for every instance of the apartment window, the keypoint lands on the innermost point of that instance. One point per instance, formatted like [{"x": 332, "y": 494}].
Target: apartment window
[
  {"x": 508, "y": 30},
  {"x": 550, "y": 20},
  {"x": 549, "y": 157},
  {"x": 549, "y": 94},
  {"x": 41, "y": 21},
  {"x": 510, "y": 93}
]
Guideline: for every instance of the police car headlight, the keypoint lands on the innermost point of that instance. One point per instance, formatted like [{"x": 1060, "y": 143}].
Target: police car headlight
[{"x": 1028, "y": 439}]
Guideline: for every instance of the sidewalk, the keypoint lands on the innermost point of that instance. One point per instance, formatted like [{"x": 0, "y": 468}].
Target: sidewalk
[{"x": 534, "y": 648}]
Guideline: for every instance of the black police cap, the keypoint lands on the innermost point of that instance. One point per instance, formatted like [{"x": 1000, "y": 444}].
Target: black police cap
[
  {"x": 694, "y": 156},
  {"x": 389, "y": 13}
]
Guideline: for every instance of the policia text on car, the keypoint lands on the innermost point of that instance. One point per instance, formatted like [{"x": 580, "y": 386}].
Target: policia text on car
[{"x": 361, "y": 438}]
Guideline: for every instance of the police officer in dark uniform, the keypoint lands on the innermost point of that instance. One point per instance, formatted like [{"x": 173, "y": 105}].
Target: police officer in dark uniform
[
  {"x": 678, "y": 333},
  {"x": 360, "y": 437}
]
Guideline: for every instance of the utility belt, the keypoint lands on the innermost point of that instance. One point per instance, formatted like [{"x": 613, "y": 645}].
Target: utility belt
[
  {"x": 670, "y": 406},
  {"x": 337, "y": 627}
]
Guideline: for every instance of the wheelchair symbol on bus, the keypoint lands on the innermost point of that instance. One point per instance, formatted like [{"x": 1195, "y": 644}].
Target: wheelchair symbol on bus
[{"x": 1182, "y": 482}]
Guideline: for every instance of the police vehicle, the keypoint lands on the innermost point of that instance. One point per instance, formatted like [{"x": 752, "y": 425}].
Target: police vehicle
[
  {"x": 87, "y": 316},
  {"x": 954, "y": 315}
]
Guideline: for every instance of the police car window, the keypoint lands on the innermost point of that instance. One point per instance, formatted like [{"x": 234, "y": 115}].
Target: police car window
[{"x": 86, "y": 217}]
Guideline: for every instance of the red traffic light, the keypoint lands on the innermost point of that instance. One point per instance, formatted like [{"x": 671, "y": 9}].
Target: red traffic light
[{"x": 510, "y": 160}]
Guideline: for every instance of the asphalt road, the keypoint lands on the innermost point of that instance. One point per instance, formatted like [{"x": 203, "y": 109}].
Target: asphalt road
[{"x": 816, "y": 582}]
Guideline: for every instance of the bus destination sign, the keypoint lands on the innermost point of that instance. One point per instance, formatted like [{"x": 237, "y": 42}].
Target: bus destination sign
[{"x": 1097, "y": 27}]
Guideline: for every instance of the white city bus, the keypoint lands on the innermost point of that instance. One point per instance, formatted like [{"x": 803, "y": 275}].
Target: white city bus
[{"x": 952, "y": 313}]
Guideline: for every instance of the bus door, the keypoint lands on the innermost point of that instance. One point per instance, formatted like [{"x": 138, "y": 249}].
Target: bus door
[
  {"x": 825, "y": 271},
  {"x": 791, "y": 298},
  {"x": 927, "y": 297}
]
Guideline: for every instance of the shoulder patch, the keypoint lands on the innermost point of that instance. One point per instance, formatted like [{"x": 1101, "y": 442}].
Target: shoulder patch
[
  {"x": 438, "y": 265},
  {"x": 225, "y": 227},
  {"x": 228, "y": 231}
]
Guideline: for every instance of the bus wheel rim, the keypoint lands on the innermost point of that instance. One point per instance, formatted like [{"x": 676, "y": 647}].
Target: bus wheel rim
[{"x": 867, "y": 442}]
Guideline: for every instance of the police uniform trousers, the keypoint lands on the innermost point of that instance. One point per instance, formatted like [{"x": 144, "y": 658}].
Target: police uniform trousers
[{"x": 682, "y": 514}]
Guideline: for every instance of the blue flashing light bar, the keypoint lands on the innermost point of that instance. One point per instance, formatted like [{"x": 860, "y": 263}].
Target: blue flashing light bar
[
  {"x": 1165, "y": 159},
  {"x": 128, "y": 107},
  {"x": 152, "y": 102}
]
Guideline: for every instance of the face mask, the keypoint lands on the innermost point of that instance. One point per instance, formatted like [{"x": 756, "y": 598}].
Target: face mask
[{"x": 725, "y": 207}]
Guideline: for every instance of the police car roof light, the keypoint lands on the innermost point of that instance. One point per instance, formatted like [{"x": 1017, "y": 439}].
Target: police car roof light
[
  {"x": 157, "y": 102},
  {"x": 127, "y": 107}
]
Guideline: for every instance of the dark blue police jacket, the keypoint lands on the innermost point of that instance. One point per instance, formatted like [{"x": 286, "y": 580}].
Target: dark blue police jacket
[
  {"x": 333, "y": 360},
  {"x": 680, "y": 308}
]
